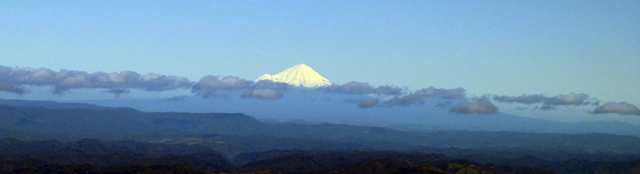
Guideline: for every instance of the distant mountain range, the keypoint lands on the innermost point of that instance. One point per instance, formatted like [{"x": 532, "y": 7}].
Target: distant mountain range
[
  {"x": 318, "y": 107},
  {"x": 214, "y": 141},
  {"x": 36, "y": 122}
]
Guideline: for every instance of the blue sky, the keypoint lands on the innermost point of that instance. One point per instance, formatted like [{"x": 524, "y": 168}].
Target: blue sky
[{"x": 487, "y": 47}]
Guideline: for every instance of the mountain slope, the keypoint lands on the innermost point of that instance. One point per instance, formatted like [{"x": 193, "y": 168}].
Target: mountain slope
[
  {"x": 118, "y": 124},
  {"x": 299, "y": 75},
  {"x": 53, "y": 104}
]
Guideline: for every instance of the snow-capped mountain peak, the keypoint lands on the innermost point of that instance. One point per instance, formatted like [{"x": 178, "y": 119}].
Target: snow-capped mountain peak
[{"x": 299, "y": 75}]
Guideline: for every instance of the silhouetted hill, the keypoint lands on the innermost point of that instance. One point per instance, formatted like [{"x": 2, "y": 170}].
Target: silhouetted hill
[
  {"x": 117, "y": 124},
  {"x": 57, "y": 105}
]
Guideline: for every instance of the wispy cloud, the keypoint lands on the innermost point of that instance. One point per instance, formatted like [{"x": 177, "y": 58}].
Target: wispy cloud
[{"x": 619, "y": 108}]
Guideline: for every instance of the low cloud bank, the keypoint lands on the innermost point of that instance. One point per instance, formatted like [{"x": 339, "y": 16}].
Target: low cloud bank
[
  {"x": 547, "y": 107},
  {"x": 368, "y": 103},
  {"x": 568, "y": 99},
  {"x": 118, "y": 92},
  {"x": 12, "y": 89},
  {"x": 406, "y": 100},
  {"x": 209, "y": 85},
  {"x": 268, "y": 84},
  {"x": 619, "y": 108},
  {"x": 176, "y": 99},
  {"x": 443, "y": 105},
  {"x": 354, "y": 87},
  {"x": 14, "y": 80},
  {"x": 562, "y": 99},
  {"x": 267, "y": 94},
  {"x": 65, "y": 80},
  {"x": 454, "y": 93},
  {"x": 479, "y": 106},
  {"x": 418, "y": 97},
  {"x": 571, "y": 99}
]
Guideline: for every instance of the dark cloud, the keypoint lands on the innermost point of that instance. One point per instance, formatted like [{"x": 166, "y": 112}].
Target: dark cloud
[
  {"x": 354, "y": 87},
  {"x": 443, "y": 105},
  {"x": 267, "y": 94},
  {"x": 208, "y": 85},
  {"x": 65, "y": 80},
  {"x": 454, "y": 93},
  {"x": 418, "y": 97},
  {"x": 623, "y": 108},
  {"x": 524, "y": 99},
  {"x": 264, "y": 84},
  {"x": 117, "y": 92},
  {"x": 562, "y": 99},
  {"x": 547, "y": 107},
  {"x": 155, "y": 82},
  {"x": 387, "y": 90},
  {"x": 368, "y": 104},
  {"x": 12, "y": 89},
  {"x": 404, "y": 100},
  {"x": 479, "y": 106},
  {"x": 176, "y": 99},
  {"x": 352, "y": 100}
]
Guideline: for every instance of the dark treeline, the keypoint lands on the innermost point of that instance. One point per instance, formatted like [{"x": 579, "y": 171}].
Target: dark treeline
[{"x": 93, "y": 156}]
